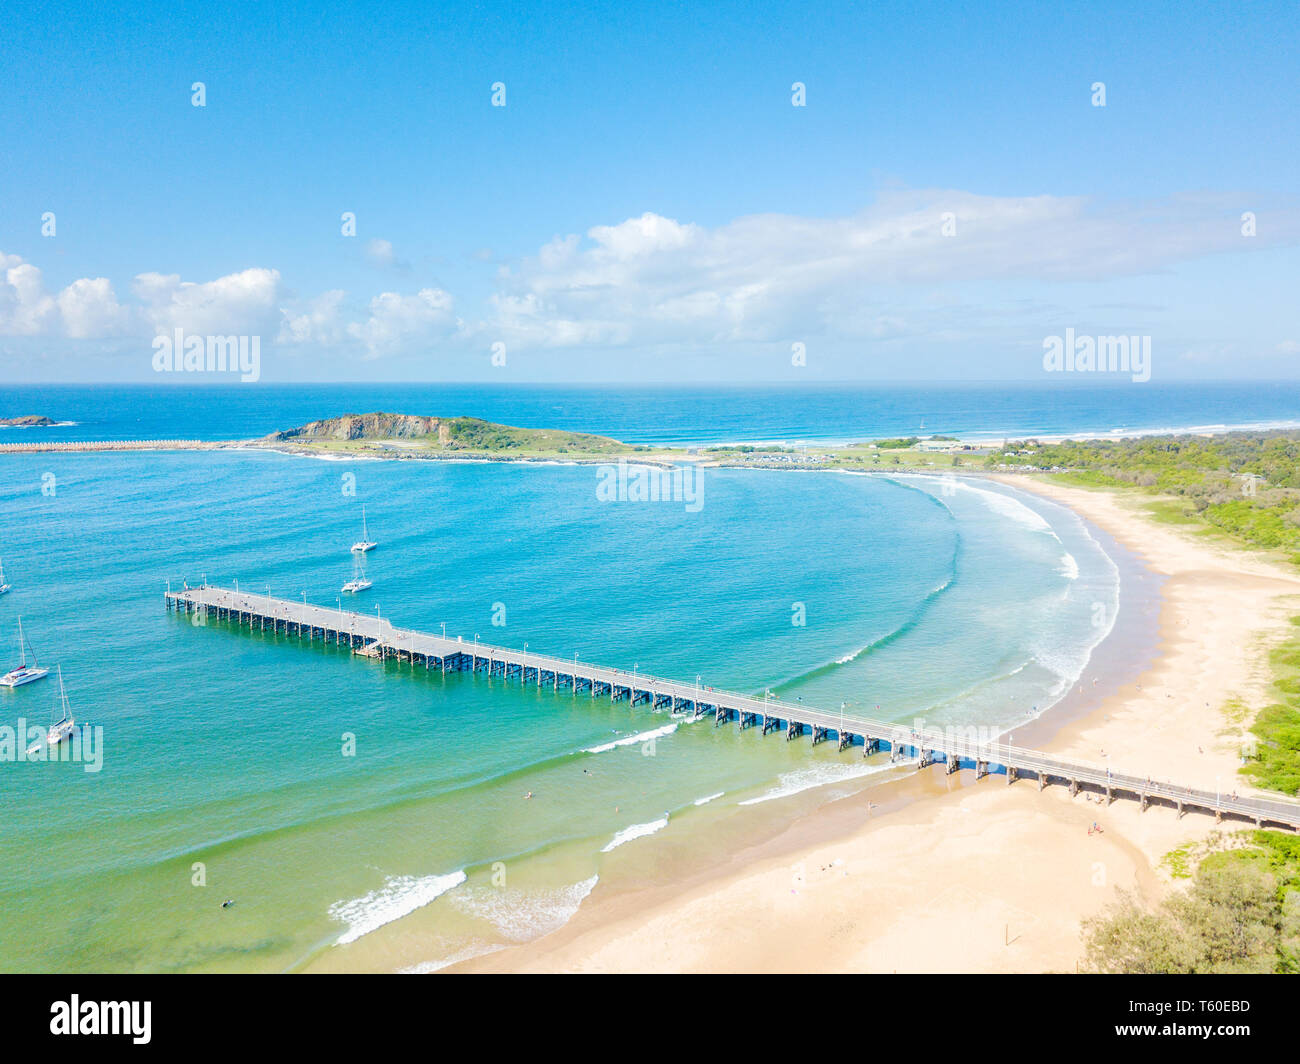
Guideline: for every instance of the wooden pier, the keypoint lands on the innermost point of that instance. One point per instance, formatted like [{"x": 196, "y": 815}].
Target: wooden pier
[{"x": 377, "y": 637}]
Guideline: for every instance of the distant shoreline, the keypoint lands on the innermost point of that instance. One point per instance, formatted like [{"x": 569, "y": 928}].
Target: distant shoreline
[{"x": 787, "y": 454}]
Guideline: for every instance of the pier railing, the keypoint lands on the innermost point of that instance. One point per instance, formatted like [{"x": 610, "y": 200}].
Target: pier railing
[{"x": 377, "y": 636}]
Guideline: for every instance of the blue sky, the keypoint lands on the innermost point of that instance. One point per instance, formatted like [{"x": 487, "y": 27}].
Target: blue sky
[{"x": 649, "y": 205}]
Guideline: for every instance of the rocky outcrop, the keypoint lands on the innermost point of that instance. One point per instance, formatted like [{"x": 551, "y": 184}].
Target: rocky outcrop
[
  {"x": 370, "y": 427},
  {"x": 27, "y": 421}
]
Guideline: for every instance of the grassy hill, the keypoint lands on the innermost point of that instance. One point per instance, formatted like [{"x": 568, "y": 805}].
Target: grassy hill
[{"x": 421, "y": 436}]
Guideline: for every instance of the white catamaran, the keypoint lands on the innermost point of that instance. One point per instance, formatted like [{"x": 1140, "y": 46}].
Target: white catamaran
[
  {"x": 365, "y": 543},
  {"x": 3, "y": 586},
  {"x": 63, "y": 727},
  {"x": 358, "y": 581},
  {"x": 23, "y": 673}
]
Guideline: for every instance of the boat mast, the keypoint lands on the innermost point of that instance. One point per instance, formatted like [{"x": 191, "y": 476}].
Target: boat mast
[{"x": 63, "y": 697}]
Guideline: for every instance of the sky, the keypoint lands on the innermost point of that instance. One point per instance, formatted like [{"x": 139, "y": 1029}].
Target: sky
[{"x": 649, "y": 205}]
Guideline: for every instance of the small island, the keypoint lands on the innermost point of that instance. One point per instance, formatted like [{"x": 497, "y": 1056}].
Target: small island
[
  {"x": 398, "y": 436},
  {"x": 381, "y": 435},
  {"x": 27, "y": 421}
]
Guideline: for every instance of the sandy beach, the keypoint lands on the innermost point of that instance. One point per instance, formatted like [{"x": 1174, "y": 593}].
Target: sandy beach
[{"x": 978, "y": 877}]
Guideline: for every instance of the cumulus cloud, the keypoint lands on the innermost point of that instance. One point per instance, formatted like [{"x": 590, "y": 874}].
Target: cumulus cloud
[
  {"x": 85, "y": 308},
  {"x": 244, "y": 303},
  {"x": 653, "y": 279},
  {"x": 891, "y": 272},
  {"x": 250, "y": 302},
  {"x": 397, "y": 321},
  {"x": 380, "y": 253},
  {"x": 90, "y": 309},
  {"x": 25, "y": 307},
  {"x": 320, "y": 321}
]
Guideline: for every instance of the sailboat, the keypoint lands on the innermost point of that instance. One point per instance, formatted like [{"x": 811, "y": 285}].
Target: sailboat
[
  {"x": 63, "y": 727},
  {"x": 358, "y": 581},
  {"x": 364, "y": 543},
  {"x": 23, "y": 673},
  {"x": 3, "y": 586}
]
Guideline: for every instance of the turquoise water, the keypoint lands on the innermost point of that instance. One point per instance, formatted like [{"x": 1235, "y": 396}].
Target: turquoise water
[{"x": 224, "y": 749}]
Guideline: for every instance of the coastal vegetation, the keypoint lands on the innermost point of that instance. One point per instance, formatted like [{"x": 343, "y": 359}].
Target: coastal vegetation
[
  {"x": 1274, "y": 761},
  {"x": 1244, "y": 484},
  {"x": 1241, "y": 913}
]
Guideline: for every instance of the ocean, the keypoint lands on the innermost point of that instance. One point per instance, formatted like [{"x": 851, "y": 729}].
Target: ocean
[
  {"x": 684, "y": 415},
  {"x": 373, "y": 816}
]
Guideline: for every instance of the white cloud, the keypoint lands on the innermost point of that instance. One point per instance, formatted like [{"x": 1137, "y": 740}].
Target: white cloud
[
  {"x": 250, "y": 302},
  {"x": 320, "y": 322},
  {"x": 887, "y": 275},
  {"x": 398, "y": 321},
  {"x": 86, "y": 308},
  {"x": 652, "y": 279},
  {"x": 90, "y": 310},
  {"x": 380, "y": 253},
  {"x": 25, "y": 307},
  {"x": 244, "y": 303}
]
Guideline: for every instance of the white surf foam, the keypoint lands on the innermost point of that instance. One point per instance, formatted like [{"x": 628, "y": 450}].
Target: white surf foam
[
  {"x": 398, "y": 896},
  {"x": 636, "y": 831},
  {"x": 469, "y": 953},
  {"x": 708, "y": 798},
  {"x": 628, "y": 740},
  {"x": 1068, "y": 566},
  {"x": 819, "y": 776},
  {"x": 1009, "y": 507},
  {"x": 523, "y": 914}
]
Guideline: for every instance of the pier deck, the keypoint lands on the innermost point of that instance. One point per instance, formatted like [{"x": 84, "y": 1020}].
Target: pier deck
[{"x": 379, "y": 638}]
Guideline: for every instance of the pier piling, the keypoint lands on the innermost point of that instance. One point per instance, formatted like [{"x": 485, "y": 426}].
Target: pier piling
[{"x": 374, "y": 638}]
